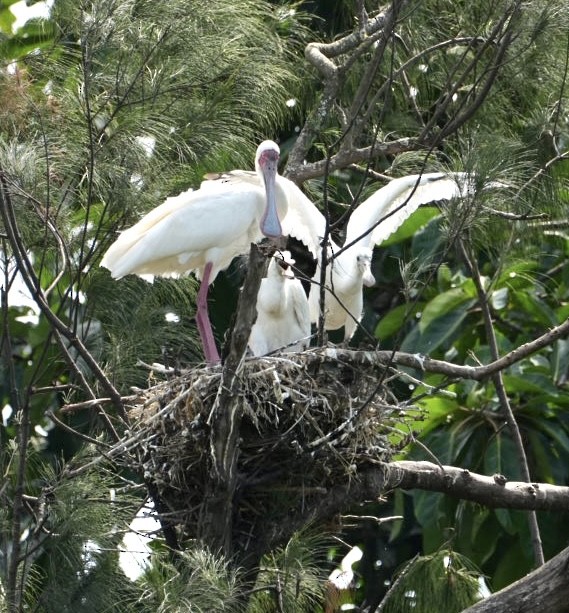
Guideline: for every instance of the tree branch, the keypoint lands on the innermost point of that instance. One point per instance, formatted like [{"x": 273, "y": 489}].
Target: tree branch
[
  {"x": 217, "y": 514},
  {"x": 372, "y": 482},
  {"x": 354, "y": 155},
  {"x": 60, "y": 328},
  {"x": 427, "y": 364},
  {"x": 545, "y": 589}
]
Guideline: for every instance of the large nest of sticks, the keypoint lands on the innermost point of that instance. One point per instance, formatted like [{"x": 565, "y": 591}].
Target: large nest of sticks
[{"x": 308, "y": 421}]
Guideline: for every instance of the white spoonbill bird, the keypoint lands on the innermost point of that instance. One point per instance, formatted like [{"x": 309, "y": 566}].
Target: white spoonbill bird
[
  {"x": 283, "y": 316},
  {"x": 347, "y": 273},
  {"x": 202, "y": 231}
]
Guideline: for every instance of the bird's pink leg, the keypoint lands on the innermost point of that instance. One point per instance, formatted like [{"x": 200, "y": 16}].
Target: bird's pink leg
[{"x": 202, "y": 319}]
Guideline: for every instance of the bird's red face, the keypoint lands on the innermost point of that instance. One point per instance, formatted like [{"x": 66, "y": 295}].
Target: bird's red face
[{"x": 269, "y": 158}]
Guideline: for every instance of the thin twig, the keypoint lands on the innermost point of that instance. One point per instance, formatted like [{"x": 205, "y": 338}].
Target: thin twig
[{"x": 503, "y": 397}]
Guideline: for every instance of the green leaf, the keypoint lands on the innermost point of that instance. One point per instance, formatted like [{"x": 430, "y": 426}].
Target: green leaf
[
  {"x": 391, "y": 323},
  {"x": 518, "y": 275},
  {"x": 412, "y": 225},
  {"x": 438, "y": 331},
  {"x": 536, "y": 308},
  {"x": 512, "y": 565},
  {"x": 560, "y": 360},
  {"x": 428, "y": 240},
  {"x": 444, "y": 278},
  {"x": 562, "y": 313},
  {"x": 7, "y": 18},
  {"x": 446, "y": 302}
]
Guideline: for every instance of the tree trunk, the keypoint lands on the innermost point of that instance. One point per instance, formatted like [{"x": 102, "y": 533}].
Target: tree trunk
[{"x": 545, "y": 589}]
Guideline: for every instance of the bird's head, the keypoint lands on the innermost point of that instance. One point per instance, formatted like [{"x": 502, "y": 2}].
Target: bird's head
[
  {"x": 267, "y": 157},
  {"x": 364, "y": 267},
  {"x": 283, "y": 262}
]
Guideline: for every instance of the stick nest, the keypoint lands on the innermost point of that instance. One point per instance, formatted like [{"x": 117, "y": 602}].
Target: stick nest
[{"x": 308, "y": 422}]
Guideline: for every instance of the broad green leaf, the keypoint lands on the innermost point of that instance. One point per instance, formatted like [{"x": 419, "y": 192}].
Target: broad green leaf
[
  {"x": 505, "y": 519},
  {"x": 560, "y": 360},
  {"x": 513, "y": 564},
  {"x": 427, "y": 241},
  {"x": 557, "y": 436},
  {"x": 426, "y": 507},
  {"x": 562, "y": 313},
  {"x": 7, "y": 18},
  {"x": 518, "y": 275},
  {"x": 446, "y": 302},
  {"x": 438, "y": 331},
  {"x": 536, "y": 308},
  {"x": 539, "y": 450},
  {"x": 519, "y": 385},
  {"x": 412, "y": 225},
  {"x": 397, "y": 317},
  {"x": 501, "y": 456}
]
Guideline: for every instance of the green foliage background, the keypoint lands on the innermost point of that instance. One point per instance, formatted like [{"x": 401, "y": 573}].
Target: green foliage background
[{"x": 206, "y": 81}]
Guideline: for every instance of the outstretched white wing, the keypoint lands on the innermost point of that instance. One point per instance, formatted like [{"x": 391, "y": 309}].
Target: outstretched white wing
[{"x": 398, "y": 200}]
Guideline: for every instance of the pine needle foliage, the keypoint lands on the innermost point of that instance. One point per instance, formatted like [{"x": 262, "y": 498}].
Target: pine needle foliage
[
  {"x": 70, "y": 546},
  {"x": 196, "y": 582},
  {"x": 292, "y": 578},
  {"x": 445, "y": 581},
  {"x": 133, "y": 102}
]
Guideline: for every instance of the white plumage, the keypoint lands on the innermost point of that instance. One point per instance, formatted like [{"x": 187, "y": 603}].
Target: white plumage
[
  {"x": 202, "y": 231},
  {"x": 384, "y": 211},
  {"x": 283, "y": 316}
]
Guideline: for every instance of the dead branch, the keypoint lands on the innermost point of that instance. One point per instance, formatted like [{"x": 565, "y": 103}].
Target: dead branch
[
  {"x": 226, "y": 414},
  {"x": 427, "y": 364}
]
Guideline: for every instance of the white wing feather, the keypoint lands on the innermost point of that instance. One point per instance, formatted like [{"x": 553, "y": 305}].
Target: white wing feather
[
  {"x": 179, "y": 236},
  {"x": 302, "y": 221},
  {"x": 400, "y": 199}
]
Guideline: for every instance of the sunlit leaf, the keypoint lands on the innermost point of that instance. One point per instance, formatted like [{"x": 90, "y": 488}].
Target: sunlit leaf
[{"x": 440, "y": 329}]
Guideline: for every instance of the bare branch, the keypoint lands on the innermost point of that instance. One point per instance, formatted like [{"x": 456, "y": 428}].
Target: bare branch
[
  {"x": 354, "y": 155},
  {"x": 493, "y": 492},
  {"x": 427, "y": 364},
  {"x": 61, "y": 330},
  {"x": 503, "y": 396},
  {"x": 546, "y": 588},
  {"x": 373, "y": 481}
]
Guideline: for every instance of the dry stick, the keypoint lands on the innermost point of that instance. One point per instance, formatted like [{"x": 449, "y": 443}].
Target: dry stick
[
  {"x": 226, "y": 416},
  {"x": 346, "y": 137},
  {"x": 503, "y": 398},
  {"x": 61, "y": 330}
]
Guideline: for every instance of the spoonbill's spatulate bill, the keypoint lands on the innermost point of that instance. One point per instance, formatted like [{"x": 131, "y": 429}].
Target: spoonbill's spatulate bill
[
  {"x": 283, "y": 316},
  {"x": 347, "y": 273},
  {"x": 202, "y": 231}
]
